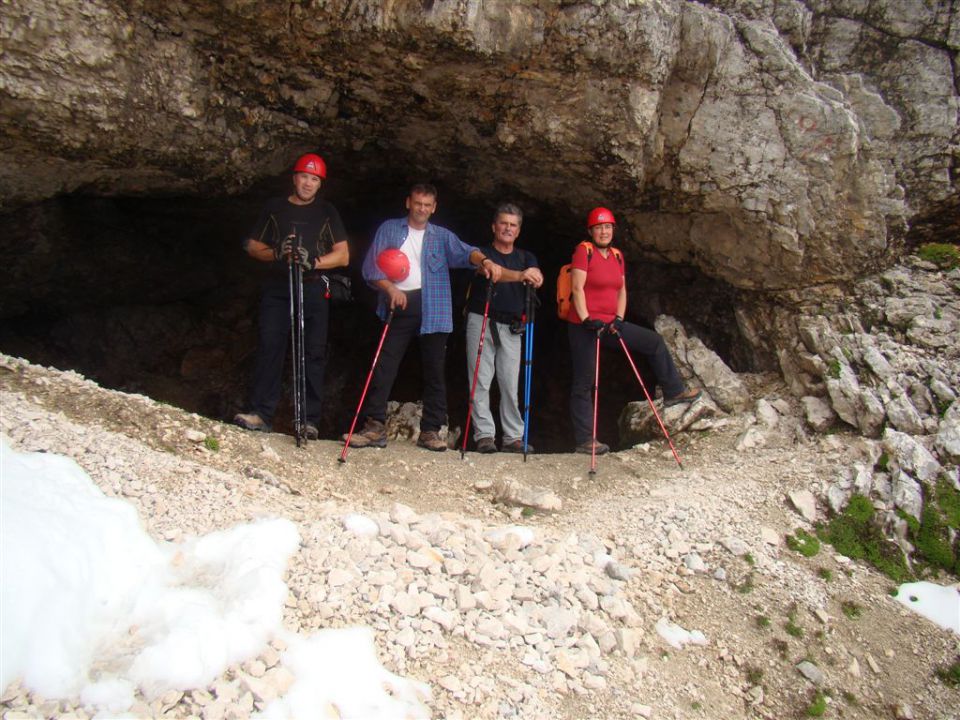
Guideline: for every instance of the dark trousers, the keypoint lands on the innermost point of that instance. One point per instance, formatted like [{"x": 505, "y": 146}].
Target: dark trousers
[
  {"x": 275, "y": 341},
  {"x": 583, "y": 351},
  {"x": 433, "y": 350}
]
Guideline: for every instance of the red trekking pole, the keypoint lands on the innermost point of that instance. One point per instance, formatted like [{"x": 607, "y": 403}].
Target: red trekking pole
[
  {"x": 649, "y": 400},
  {"x": 366, "y": 385},
  {"x": 596, "y": 403},
  {"x": 476, "y": 367}
]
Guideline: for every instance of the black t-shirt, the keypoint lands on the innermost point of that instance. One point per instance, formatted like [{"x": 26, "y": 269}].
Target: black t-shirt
[
  {"x": 318, "y": 225},
  {"x": 508, "y": 297}
]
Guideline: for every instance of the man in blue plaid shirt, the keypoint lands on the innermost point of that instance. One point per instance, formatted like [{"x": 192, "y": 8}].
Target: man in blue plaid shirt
[{"x": 422, "y": 307}]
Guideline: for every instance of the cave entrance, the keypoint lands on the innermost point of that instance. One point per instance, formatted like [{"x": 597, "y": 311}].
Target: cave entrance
[{"x": 154, "y": 295}]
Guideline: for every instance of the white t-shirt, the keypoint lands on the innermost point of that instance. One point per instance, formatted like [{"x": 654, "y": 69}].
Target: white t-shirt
[{"x": 412, "y": 247}]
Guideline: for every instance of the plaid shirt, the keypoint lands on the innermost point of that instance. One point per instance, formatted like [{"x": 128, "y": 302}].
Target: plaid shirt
[{"x": 442, "y": 250}]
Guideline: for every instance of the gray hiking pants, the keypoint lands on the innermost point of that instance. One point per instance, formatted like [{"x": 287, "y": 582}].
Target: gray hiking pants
[{"x": 501, "y": 353}]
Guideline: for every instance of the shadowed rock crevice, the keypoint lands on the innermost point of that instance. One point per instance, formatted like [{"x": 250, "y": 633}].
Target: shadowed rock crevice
[{"x": 157, "y": 297}]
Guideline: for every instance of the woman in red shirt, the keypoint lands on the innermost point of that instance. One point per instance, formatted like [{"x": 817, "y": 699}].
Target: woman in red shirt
[{"x": 599, "y": 305}]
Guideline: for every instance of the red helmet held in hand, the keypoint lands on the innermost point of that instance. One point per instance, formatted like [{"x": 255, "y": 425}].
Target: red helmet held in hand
[
  {"x": 598, "y": 216},
  {"x": 394, "y": 264},
  {"x": 311, "y": 163}
]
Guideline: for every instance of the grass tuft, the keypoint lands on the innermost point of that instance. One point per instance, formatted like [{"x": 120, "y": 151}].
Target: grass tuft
[
  {"x": 803, "y": 542},
  {"x": 211, "y": 443}
]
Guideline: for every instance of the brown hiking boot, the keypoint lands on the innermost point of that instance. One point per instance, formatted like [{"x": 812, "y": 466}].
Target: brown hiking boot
[
  {"x": 687, "y": 396},
  {"x": 251, "y": 421},
  {"x": 374, "y": 434},
  {"x": 486, "y": 445},
  {"x": 431, "y": 441},
  {"x": 586, "y": 448},
  {"x": 516, "y": 447}
]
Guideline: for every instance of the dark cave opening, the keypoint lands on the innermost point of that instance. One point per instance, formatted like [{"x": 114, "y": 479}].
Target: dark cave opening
[{"x": 154, "y": 295}]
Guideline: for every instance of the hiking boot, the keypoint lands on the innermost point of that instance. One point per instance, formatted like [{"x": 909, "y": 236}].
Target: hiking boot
[
  {"x": 251, "y": 421},
  {"x": 516, "y": 447},
  {"x": 431, "y": 441},
  {"x": 310, "y": 431},
  {"x": 586, "y": 448},
  {"x": 486, "y": 445},
  {"x": 374, "y": 434},
  {"x": 687, "y": 396}
]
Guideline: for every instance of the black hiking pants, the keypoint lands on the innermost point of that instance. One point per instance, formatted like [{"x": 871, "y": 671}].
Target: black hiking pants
[
  {"x": 274, "y": 342},
  {"x": 583, "y": 351},
  {"x": 433, "y": 351}
]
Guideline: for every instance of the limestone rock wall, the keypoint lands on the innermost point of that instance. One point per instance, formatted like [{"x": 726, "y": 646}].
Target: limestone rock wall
[{"x": 771, "y": 144}]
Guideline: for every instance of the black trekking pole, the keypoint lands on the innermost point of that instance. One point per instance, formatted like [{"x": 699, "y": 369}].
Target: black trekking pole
[
  {"x": 596, "y": 403},
  {"x": 529, "y": 311},
  {"x": 295, "y": 276},
  {"x": 650, "y": 400},
  {"x": 476, "y": 368},
  {"x": 366, "y": 385}
]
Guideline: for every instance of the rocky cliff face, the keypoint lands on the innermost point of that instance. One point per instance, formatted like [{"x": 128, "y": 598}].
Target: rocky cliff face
[
  {"x": 771, "y": 144},
  {"x": 772, "y": 151}
]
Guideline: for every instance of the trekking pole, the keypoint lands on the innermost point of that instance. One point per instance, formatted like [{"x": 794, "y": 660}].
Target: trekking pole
[
  {"x": 366, "y": 385},
  {"x": 528, "y": 314},
  {"x": 476, "y": 367},
  {"x": 295, "y": 277},
  {"x": 596, "y": 403},
  {"x": 649, "y": 400}
]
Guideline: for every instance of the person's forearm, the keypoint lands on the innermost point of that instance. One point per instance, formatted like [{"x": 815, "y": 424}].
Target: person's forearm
[
  {"x": 260, "y": 251},
  {"x": 622, "y": 303},
  {"x": 511, "y": 275},
  {"x": 338, "y": 257},
  {"x": 580, "y": 304}
]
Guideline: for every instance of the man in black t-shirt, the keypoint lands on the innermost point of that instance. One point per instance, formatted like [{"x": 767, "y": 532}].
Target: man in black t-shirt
[
  {"x": 502, "y": 342},
  {"x": 323, "y": 246}
]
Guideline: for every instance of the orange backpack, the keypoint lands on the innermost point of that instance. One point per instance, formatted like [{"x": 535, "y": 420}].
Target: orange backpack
[{"x": 565, "y": 281}]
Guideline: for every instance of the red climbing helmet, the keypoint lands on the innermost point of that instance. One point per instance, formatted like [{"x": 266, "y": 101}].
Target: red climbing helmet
[
  {"x": 394, "y": 264},
  {"x": 598, "y": 216},
  {"x": 311, "y": 163}
]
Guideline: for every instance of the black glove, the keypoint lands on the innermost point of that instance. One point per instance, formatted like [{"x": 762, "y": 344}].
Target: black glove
[
  {"x": 593, "y": 324},
  {"x": 615, "y": 326},
  {"x": 303, "y": 259}
]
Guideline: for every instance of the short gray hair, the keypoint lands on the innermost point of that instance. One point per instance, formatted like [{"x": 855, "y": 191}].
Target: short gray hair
[{"x": 509, "y": 209}]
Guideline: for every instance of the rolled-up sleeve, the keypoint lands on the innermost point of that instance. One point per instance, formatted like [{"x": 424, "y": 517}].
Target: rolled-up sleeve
[{"x": 458, "y": 252}]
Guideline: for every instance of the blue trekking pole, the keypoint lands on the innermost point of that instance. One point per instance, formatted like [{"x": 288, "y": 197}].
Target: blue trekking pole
[{"x": 529, "y": 311}]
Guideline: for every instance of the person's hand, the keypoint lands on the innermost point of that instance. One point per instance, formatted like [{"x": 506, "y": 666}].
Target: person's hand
[
  {"x": 491, "y": 271},
  {"x": 398, "y": 299},
  {"x": 598, "y": 326},
  {"x": 532, "y": 276},
  {"x": 303, "y": 259},
  {"x": 615, "y": 326},
  {"x": 286, "y": 247}
]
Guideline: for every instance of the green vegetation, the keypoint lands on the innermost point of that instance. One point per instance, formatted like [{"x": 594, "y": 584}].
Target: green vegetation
[
  {"x": 748, "y": 559},
  {"x": 527, "y": 512},
  {"x": 950, "y": 675},
  {"x": 931, "y": 535},
  {"x": 818, "y": 706},
  {"x": 943, "y": 255},
  {"x": 882, "y": 462},
  {"x": 849, "y": 698},
  {"x": 211, "y": 443},
  {"x": 804, "y": 543},
  {"x": 833, "y": 369},
  {"x": 825, "y": 574},
  {"x": 851, "y": 609},
  {"x": 763, "y": 622},
  {"x": 747, "y": 585},
  {"x": 696, "y": 705},
  {"x": 791, "y": 626},
  {"x": 754, "y": 675},
  {"x": 854, "y": 533}
]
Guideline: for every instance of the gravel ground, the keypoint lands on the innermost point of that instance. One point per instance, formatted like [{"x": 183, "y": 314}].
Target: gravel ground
[{"x": 562, "y": 624}]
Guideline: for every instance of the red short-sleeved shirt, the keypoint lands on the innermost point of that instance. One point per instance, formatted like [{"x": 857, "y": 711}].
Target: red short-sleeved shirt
[{"x": 604, "y": 280}]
